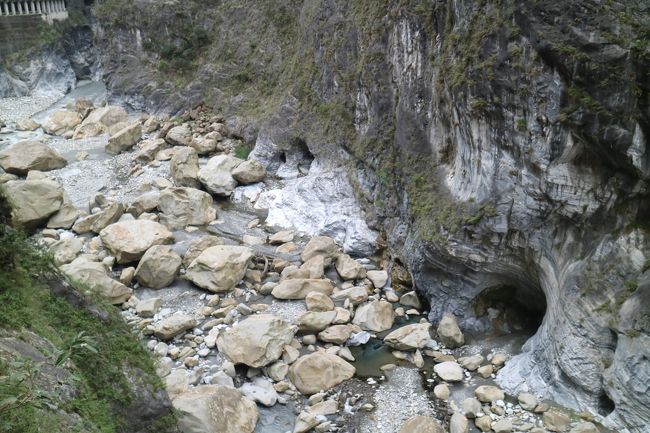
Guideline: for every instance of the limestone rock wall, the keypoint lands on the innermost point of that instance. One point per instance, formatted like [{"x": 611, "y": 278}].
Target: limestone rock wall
[
  {"x": 42, "y": 57},
  {"x": 496, "y": 143}
]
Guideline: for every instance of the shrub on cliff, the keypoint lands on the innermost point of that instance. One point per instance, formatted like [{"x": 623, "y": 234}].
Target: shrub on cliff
[{"x": 68, "y": 362}]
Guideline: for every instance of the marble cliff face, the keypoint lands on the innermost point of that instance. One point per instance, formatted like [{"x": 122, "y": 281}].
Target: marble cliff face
[
  {"x": 501, "y": 149},
  {"x": 498, "y": 147}
]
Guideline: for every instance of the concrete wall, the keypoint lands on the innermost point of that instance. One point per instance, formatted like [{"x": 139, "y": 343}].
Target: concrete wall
[
  {"x": 20, "y": 21},
  {"x": 18, "y": 32}
]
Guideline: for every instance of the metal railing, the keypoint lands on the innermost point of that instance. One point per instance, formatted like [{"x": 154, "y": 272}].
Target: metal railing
[{"x": 31, "y": 7}]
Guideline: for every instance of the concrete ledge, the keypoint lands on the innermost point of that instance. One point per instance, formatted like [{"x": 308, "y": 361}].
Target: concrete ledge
[{"x": 19, "y": 32}]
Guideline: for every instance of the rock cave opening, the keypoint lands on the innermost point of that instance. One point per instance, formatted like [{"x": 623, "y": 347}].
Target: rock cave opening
[
  {"x": 605, "y": 405},
  {"x": 508, "y": 308}
]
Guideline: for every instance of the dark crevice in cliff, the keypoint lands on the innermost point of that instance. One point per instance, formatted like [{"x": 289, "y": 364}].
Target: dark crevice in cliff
[
  {"x": 509, "y": 308},
  {"x": 605, "y": 405}
]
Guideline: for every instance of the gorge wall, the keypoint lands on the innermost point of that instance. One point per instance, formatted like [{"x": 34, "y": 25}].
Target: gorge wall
[{"x": 500, "y": 146}]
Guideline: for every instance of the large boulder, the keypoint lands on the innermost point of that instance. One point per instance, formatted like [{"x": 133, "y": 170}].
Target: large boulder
[
  {"x": 32, "y": 201},
  {"x": 489, "y": 393},
  {"x": 215, "y": 409},
  {"x": 409, "y": 337},
  {"x": 315, "y": 321},
  {"x": 320, "y": 246},
  {"x": 181, "y": 207},
  {"x": 83, "y": 106},
  {"x": 149, "y": 149},
  {"x": 26, "y": 124},
  {"x": 151, "y": 124},
  {"x": 197, "y": 246},
  {"x": 107, "y": 116},
  {"x": 171, "y": 326},
  {"x": 319, "y": 371},
  {"x": 458, "y": 423},
  {"x": 179, "y": 136},
  {"x": 337, "y": 334},
  {"x": 449, "y": 371},
  {"x": 348, "y": 268},
  {"x": 65, "y": 217},
  {"x": 299, "y": 288},
  {"x": 98, "y": 221},
  {"x": 220, "y": 268},
  {"x": 158, "y": 267},
  {"x": 375, "y": 316},
  {"x": 378, "y": 278},
  {"x": 317, "y": 301},
  {"x": 88, "y": 130},
  {"x": 355, "y": 295},
  {"x": 146, "y": 202},
  {"x": 128, "y": 240},
  {"x": 184, "y": 167},
  {"x": 207, "y": 144},
  {"x": 66, "y": 250},
  {"x": 256, "y": 341},
  {"x": 260, "y": 390},
  {"x": 112, "y": 130},
  {"x": 449, "y": 333},
  {"x": 30, "y": 155},
  {"x": 124, "y": 139},
  {"x": 421, "y": 424},
  {"x": 92, "y": 275},
  {"x": 556, "y": 421},
  {"x": 61, "y": 122},
  {"x": 249, "y": 171},
  {"x": 215, "y": 175}
]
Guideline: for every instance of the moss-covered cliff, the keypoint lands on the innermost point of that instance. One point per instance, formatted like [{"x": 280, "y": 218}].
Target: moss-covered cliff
[{"x": 498, "y": 144}]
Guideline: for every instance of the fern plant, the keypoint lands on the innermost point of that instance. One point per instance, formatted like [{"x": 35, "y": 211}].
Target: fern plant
[{"x": 76, "y": 348}]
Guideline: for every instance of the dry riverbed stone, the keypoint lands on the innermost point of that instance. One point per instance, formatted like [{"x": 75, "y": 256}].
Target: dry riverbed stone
[
  {"x": 421, "y": 424},
  {"x": 376, "y": 316},
  {"x": 256, "y": 341},
  {"x": 299, "y": 288},
  {"x": 215, "y": 408},
  {"x": 158, "y": 267},
  {"x": 33, "y": 201},
  {"x": 449, "y": 371},
  {"x": 173, "y": 325},
  {"x": 30, "y": 155},
  {"x": 129, "y": 240},
  {"x": 449, "y": 333},
  {"x": 219, "y": 268},
  {"x": 93, "y": 275},
  {"x": 319, "y": 371},
  {"x": 409, "y": 337},
  {"x": 320, "y": 245},
  {"x": 489, "y": 393}
]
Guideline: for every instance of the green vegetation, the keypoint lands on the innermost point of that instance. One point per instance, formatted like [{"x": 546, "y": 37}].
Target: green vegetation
[
  {"x": 316, "y": 59},
  {"x": 242, "y": 151},
  {"x": 104, "y": 359},
  {"x": 522, "y": 125}
]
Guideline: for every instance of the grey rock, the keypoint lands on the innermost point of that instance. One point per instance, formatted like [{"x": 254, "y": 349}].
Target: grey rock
[
  {"x": 30, "y": 155},
  {"x": 215, "y": 175},
  {"x": 158, "y": 267},
  {"x": 184, "y": 167}
]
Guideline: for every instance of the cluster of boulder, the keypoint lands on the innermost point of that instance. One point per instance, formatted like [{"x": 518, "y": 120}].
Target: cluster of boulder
[
  {"x": 283, "y": 360},
  {"x": 221, "y": 360}
]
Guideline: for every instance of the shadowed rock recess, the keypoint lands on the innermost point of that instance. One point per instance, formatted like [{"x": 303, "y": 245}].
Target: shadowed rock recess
[{"x": 499, "y": 148}]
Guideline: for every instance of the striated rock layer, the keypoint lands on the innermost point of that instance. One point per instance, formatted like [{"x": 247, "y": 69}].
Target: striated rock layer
[{"x": 501, "y": 148}]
